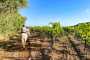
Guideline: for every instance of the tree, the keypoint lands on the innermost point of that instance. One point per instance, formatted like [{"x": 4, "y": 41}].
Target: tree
[{"x": 10, "y": 19}]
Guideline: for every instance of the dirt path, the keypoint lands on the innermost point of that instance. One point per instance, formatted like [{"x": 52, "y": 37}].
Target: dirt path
[
  {"x": 82, "y": 52},
  {"x": 70, "y": 49}
]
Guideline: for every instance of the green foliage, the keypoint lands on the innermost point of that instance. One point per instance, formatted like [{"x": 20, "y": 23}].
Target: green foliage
[
  {"x": 21, "y": 3},
  {"x": 55, "y": 30},
  {"x": 41, "y": 28},
  {"x": 10, "y": 19},
  {"x": 44, "y": 30},
  {"x": 68, "y": 30},
  {"x": 83, "y": 31},
  {"x": 11, "y": 23}
]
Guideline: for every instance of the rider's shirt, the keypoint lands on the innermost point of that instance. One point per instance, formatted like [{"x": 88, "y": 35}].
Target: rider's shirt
[{"x": 24, "y": 30}]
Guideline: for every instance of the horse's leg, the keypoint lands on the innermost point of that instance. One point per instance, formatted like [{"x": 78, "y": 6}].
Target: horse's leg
[{"x": 23, "y": 40}]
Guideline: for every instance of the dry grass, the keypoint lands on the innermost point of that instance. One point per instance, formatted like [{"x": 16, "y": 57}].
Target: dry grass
[
  {"x": 9, "y": 55},
  {"x": 3, "y": 38}
]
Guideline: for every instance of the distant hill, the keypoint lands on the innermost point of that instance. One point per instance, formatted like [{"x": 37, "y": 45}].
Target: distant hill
[{"x": 86, "y": 23}]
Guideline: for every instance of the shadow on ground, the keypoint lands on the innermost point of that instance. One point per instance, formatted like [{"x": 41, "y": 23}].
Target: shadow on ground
[{"x": 14, "y": 44}]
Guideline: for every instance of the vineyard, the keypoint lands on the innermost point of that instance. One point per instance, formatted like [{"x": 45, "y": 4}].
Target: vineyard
[
  {"x": 46, "y": 43},
  {"x": 50, "y": 42}
]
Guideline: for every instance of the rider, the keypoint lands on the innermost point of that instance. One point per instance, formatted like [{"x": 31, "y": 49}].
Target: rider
[{"x": 24, "y": 35}]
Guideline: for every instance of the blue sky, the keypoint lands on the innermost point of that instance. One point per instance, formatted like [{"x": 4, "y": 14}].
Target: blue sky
[{"x": 68, "y": 12}]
